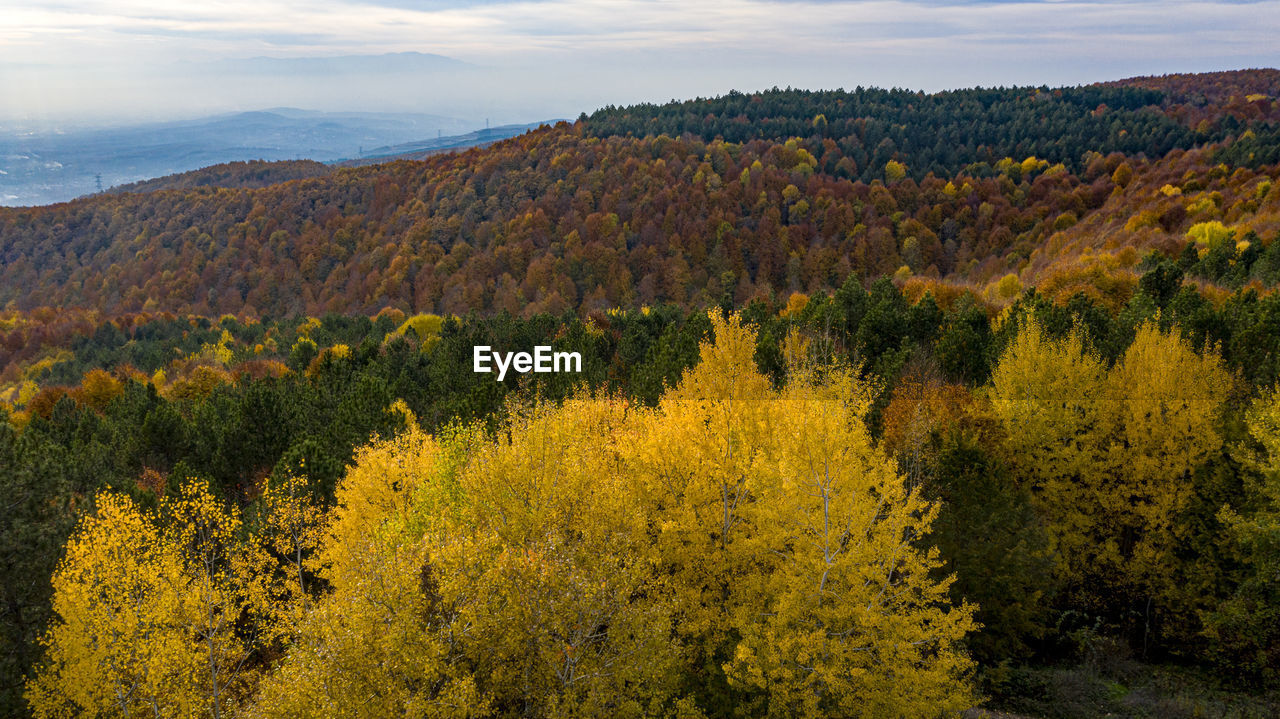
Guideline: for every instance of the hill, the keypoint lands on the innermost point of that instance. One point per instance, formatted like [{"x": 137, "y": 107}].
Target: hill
[
  {"x": 56, "y": 166},
  {"x": 690, "y": 203},
  {"x": 254, "y": 173},
  {"x": 1193, "y": 98},
  {"x": 422, "y": 149}
]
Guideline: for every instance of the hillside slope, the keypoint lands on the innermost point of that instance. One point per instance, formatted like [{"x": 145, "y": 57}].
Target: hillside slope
[
  {"x": 254, "y": 173},
  {"x": 690, "y": 203}
]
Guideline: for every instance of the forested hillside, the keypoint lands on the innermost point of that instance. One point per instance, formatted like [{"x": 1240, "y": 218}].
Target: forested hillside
[
  {"x": 803, "y": 189},
  {"x": 891, "y": 405},
  {"x": 255, "y": 173}
]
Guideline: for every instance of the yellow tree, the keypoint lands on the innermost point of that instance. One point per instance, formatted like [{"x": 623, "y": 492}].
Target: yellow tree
[
  {"x": 1165, "y": 403},
  {"x": 526, "y": 598},
  {"x": 291, "y": 531},
  {"x": 119, "y": 644},
  {"x": 368, "y": 648},
  {"x": 1050, "y": 396},
  {"x": 149, "y": 612},
  {"x": 697, "y": 459},
  {"x": 792, "y": 544},
  {"x": 1109, "y": 454},
  {"x": 848, "y": 622},
  {"x": 570, "y": 617},
  {"x": 227, "y": 584}
]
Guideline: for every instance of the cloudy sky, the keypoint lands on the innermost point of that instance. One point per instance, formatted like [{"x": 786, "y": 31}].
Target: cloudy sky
[{"x": 99, "y": 61}]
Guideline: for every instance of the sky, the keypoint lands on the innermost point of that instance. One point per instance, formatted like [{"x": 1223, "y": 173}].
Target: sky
[{"x": 96, "y": 62}]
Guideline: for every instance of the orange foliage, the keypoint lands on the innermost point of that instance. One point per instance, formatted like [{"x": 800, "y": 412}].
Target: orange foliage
[
  {"x": 43, "y": 403},
  {"x": 259, "y": 369},
  {"x": 921, "y": 408},
  {"x": 97, "y": 389}
]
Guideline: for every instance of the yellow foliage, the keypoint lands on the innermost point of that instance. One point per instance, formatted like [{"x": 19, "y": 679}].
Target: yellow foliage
[
  {"x": 306, "y": 328},
  {"x": 329, "y": 354},
  {"x": 200, "y": 382},
  {"x": 425, "y": 327},
  {"x": 219, "y": 352},
  {"x": 1031, "y": 164},
  {"x": 594, "y": 556},
  {"x": 118, "y": 642},
  {"x": 1006, "y": 289},
  {"x": 1164, "y": 426},
  {"x": 894, "y": 170},
  {"x": 1048, "y": 393},
  {"x": 401, "y": 408},
  {"x": 1258, "y": 530},
  {"x": 1123, "y": 175},
  {"x": 292, "y": 530},
  {"x": 795, "y": 304},
  {"x": 1142, "y": 219},
  {"x": 771, "y": 487},
  {"x": 146, "y": 614},
  {"x": 795, "y": 348},
  {"x": 97, "y": 389},
  {"x": 1203, "y": 205},
  {"x": 1109, "y": 453},
  {"x": 1263, "y": 419},
  {"x": 25, "y": 391},
  {"x": 35, "y": 369},
  {"x": 1209, "y": 233}
]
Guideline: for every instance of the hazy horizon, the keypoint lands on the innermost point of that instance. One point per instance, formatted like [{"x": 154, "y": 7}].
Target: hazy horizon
[{"x": 91, "y": 62}]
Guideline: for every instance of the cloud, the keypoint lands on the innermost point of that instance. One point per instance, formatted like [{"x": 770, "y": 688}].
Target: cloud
[
  {"x": 643, "y": 46},
  {"x": 496, "y": 27}
]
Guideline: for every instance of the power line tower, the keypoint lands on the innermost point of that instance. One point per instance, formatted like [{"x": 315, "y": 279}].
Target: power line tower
[{"x": 97, "y": 180}]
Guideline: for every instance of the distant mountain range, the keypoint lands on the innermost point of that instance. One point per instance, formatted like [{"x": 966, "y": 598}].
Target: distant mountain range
[
  {"x": 38, "y": 169},
  {"x": 40, "y": 164},
  {"x": 261, "y": 173}
]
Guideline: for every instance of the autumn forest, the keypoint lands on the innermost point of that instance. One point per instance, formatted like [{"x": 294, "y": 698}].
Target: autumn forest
[{"x": 892, "y": 404}]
